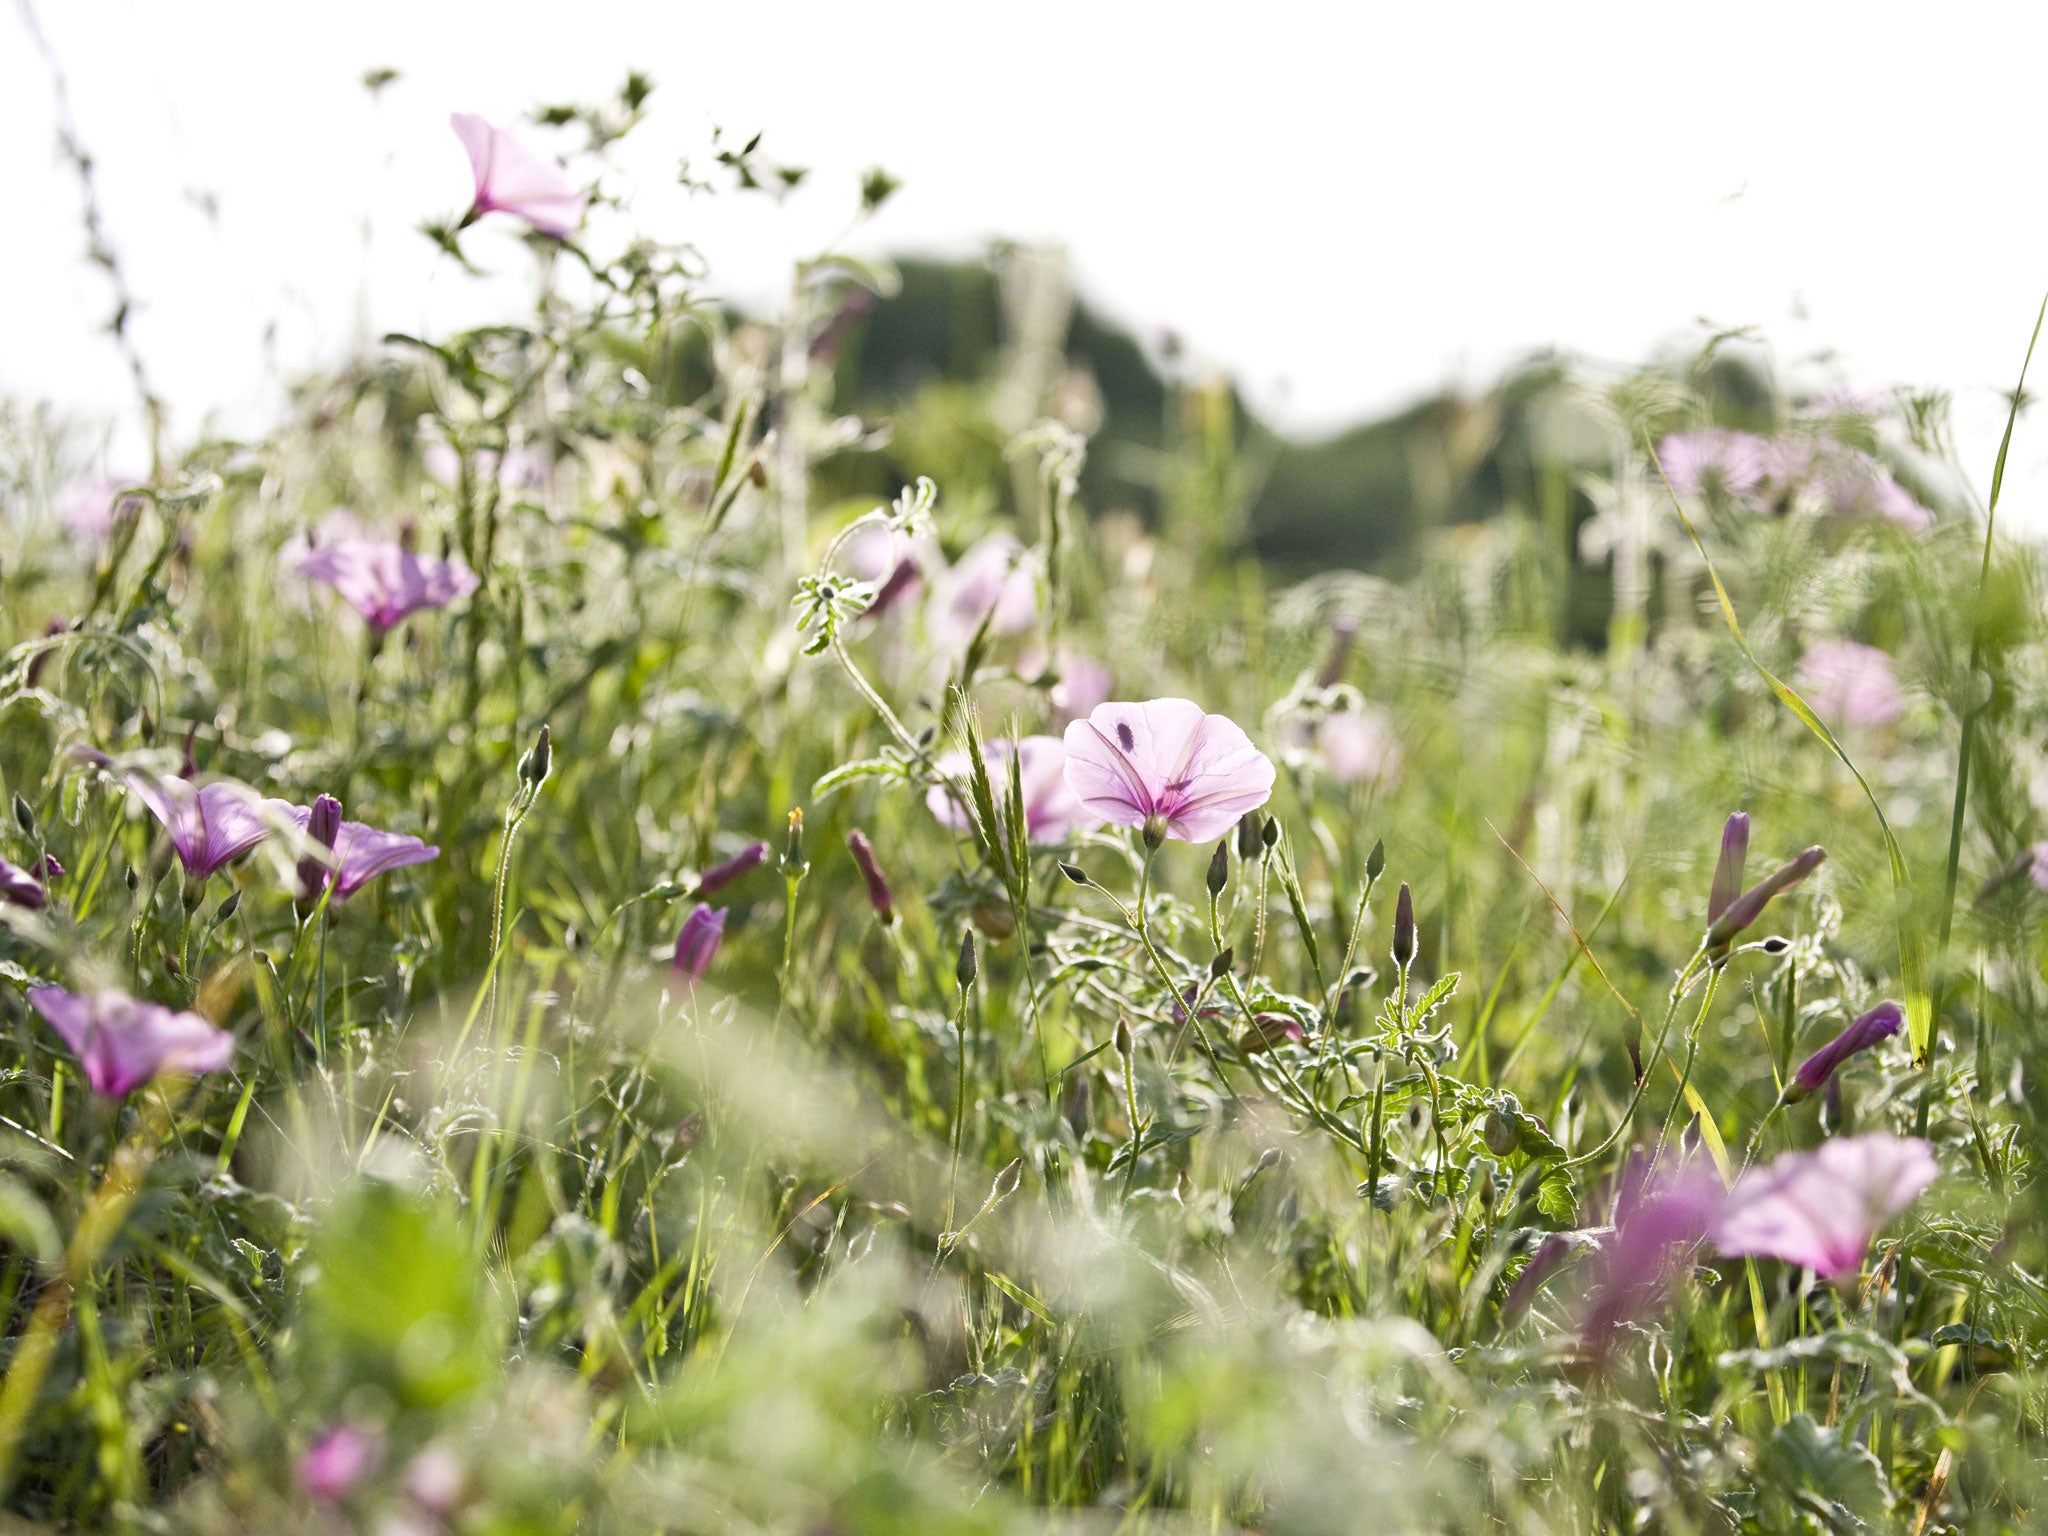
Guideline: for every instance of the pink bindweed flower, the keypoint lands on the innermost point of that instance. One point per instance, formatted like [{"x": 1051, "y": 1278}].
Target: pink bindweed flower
[
  {"x": 1166, "y": 767},
  {"x": 894, "y": 561},
  {"x": 1820, "y": 1209},
  {"x": 520, "y": 469},
  {"x": 1728, "y": 867},
  {"x": 510, "y": 178},
  {"x": 1852, "y": 484},
  {"x": 210, "y": 825},
  {"x": 697, "y": 944},
  {"x": 1659, "y": 1217},
  {"x": 1880, "y": 1023},
  {"x": 1051, "y": 813},
  {"x": 1714, "y": 460},
  {"x": 358, "y": 853},
  {"x": 1850, "y": 684},
  {"x": 338, "y": 1463},
  {"x": 91, "y": 505},
  {"x": 1358, "y": 745},
  {"x": 385, "y": 582},
  {"x": 1084, "y": 683},
  {"x": 19, "y": 888},
  {"x": 122, "y": 1043},
  {"x": 993, "y": 582}
]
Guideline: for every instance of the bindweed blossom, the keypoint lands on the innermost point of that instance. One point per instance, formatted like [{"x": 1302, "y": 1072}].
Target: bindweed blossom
[
  {"x": 122, "y": 1043},
  {"x": 1166, "y": 767},
  {"x": 510, "y": 178},
  {"x": 1820, "y": 1209},
  {"x": 210, "y": 825},
  {"x": 385, "y": 582}
]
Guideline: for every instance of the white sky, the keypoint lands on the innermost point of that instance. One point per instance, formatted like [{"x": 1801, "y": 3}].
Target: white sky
[{"x": 1347, "y": 206}]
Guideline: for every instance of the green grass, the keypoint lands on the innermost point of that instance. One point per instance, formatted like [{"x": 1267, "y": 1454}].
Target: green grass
[{"x": 837, "y": 1241}]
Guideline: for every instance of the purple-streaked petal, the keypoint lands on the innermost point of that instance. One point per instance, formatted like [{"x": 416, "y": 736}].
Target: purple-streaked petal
[
  {"x": 362, "y": 853},
  {"x": 122, "y": 1044}
]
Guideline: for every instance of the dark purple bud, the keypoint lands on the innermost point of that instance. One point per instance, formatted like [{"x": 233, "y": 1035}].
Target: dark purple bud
[
  {"x": 1881, "y": 1023},
  {"x": 723, "y": 874},
  {"x": 880, "y": 897},
  {"x": 697, "y": 944},
  {"x": 1728, "y": 868},
  {"x": 1748, "y": 907},
  {"x": 190, "y": 768},
  {"x": 323, "y": 826},
  {"x": 19, "y": 888},
  {"x": 1249, "y": 828},
  {"x": 1404, "y": 928},
  {"x": 56, "y": 627},
  {"x": 47, "y": 868}
]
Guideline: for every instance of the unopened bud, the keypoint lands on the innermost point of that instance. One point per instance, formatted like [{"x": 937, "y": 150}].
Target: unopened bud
[
  {"x": 1124, "y": 1043},
  {"x": 966, "y": 969},
  {"x": 1075, "y": 873},
  {"x": 793, "y": 847},
  {"x": 1404, "y": 928},
  {"x": 1376, "y": 861},
  {"x": 1008, "y": 1180},
  {"x": 228, "y": 908},
  {"x": 1219, "y": 868},
  {"x": 24, "y": 818},
  {"x": 1269, "y": 834},
  {"x": 726, "y": 871},
  {"x": 880, "y": 897},
  {"x": 1220, "y": 966},
  {"x": 323, "y": 826},
  {"x": 1749, "y": 906},
  {"x": 535, "y": 765},
  {"x": 1248, "y": 829}
]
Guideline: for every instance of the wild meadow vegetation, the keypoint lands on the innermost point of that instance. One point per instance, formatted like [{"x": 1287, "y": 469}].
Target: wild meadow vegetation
[{"x": 571, "y": 965}]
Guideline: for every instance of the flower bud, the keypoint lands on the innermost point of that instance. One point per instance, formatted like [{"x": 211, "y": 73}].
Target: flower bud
[
  {"x": 697, "y": 945},
  {"x": 1748, "y": 907},
  {"x": 1404, "y": 928},
  {"x": 1219, "y": 868},
  {"x": 793, "y": 865},
  {"x": 1249, "y": 828},
  {"x": 1220, "y": 966},
  {"x": 1728, "y": 868},
  {"x": 323, "y": 826},
  {"x": 1008, "y": 1180},
  {"x": 966, "y": 968},
  {"x": 1376, "y": 861},
  {"x": 1880, "y": 1023},
  {"x": 24, "y": 818},
  {"x": 18, "y": 888},
  {"x": 880, "y": 897},
  {"x": 1124, "y": 1044},
  {"x": 726, "y": 871},
  {"x": 1075, "y": 873},
  {"x": 534, "y": 768}
]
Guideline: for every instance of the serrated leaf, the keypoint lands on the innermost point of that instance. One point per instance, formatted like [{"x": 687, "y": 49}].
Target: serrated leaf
[{"x": 1558, "y": 1197}]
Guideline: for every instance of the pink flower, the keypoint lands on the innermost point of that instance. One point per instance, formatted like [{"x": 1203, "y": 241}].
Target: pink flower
[
  {"x": 519, "y": 469},
  {"x": 1732, "y": 463},
  {"x": 994, "y": 581},
  {"x": 1358, "y": 744},
  {"x": 358, "y": 853},
  {"x": 336, "y": 1464},
  {"x": 1051, "y": 813},
  {"x": 1820, "y": 1209},
  {"x": 210, "y": 825},
  {"x": 89, "y": 505},
  {"x": 122, "y": 1043},
  {"x": 1084, "y": 683},
  {"x": 697, "y": 944},
  {"x": 1658, "y": 1219},
  {"x": 1850, "y": 684},
  {"x": 510, "y": 178},
  {"x": 1166, "y": 767},
  {"x": 1853, "y": 484},
  {"x": 385, "y": 582}
]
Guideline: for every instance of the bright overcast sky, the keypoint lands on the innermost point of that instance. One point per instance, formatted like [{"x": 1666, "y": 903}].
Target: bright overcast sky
[{"x": 1345, "y": 205}]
